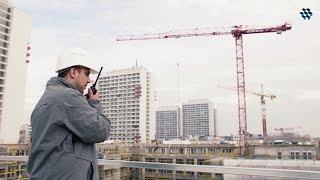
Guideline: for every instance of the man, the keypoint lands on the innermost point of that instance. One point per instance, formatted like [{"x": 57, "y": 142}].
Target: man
[{"x": 66, "y": 125}]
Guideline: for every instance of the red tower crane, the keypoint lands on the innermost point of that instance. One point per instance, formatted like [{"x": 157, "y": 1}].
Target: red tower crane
[
  {"x": 262, "y": 96},
  {"x": 236, "y": 32}
]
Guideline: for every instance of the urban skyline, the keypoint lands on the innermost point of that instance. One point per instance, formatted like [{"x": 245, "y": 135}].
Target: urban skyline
[{"x": 283, "y": 63}]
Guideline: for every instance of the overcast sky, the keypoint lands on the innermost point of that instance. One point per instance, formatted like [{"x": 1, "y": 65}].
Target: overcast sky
[{"x": 286, "y": 64}]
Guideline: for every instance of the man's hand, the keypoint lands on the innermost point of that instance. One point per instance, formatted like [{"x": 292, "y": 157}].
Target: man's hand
[{"x": 91, "y": 96}]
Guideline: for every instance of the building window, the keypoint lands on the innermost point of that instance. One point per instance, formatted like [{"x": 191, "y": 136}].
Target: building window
[
  {"x": 179, "y": 172},
  {"x": 165, "y": 160},
  {"x": 165, "y": 171},
  {"x": 212, "y": 151},
  {"x": 3, "y": 59},
  {"x": 310, "y": 155},
  {"x": 150, "y": 170},
  {"x": 305, "y": 156},
  {"x": 181, "y": 151},
  {"x": 2, "y": 66},
  {"x": 190, "y": 161},
  {"x": 179, "y": 161},
  {"x": 292, "y": 155},
  {"x": 201, "y": 162},
  {"x": 149, "y": 160},
  {"x": 163, "y": 151},
  {"x": 190, "y": 173},
  {"x": 279, "y": 155},
  {"x": 297, "y": 155},
  {"x": 193, "y": 151}
]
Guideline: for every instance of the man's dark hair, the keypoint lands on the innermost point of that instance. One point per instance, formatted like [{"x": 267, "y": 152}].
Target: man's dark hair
[{"x": 63, "y": 73}]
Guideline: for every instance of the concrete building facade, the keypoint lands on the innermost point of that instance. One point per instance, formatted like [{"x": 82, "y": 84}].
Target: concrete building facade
[
  {"x": 190, "y": 153},
  {"x": 128, "y": 98},
  {"x": 167, "y": 120},
  {"x": 15, "y": 30},
  {"x": 198, "y": 118},
  {"x": 286, "y": 152}
]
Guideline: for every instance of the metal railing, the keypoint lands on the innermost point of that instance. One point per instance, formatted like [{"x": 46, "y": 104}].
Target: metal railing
[{"x": 266, "y": 172}]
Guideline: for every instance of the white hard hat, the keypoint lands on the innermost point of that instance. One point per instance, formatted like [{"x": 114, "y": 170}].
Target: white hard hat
[{"x": 74, "y": 57}]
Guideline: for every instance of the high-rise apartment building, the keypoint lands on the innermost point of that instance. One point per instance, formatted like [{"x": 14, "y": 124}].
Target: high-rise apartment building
[
  {"x": 15, "y": 29},
  {"x": 24, "y": 134},
  {"x": 167, "y": 122},
  {"x": 198, "y": 118},
  {"x": 128, "y": 98}
]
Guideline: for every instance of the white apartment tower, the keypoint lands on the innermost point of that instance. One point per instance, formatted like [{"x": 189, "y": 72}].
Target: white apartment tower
[
  {"x": 128, "y": 98},
  {"x": 198, "y": 118},
  {"x": 15, "y": 29},
  {"x": 167, "y": 119}
]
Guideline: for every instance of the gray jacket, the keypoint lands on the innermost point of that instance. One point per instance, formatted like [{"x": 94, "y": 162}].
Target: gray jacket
[{"x": 65, "y": 126}]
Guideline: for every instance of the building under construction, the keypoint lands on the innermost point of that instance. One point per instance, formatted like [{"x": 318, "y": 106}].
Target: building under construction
[
  {"x": 192, "y": 154},
  {"x": 278, "y": 156}
]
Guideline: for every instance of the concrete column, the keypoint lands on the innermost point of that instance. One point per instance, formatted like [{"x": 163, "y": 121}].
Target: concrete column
[
  {"x": 195, "y": 163},
  {"x": 143, "y": 159},
  {"x": 184, "y": 162},
  {"x": 174, "y": 161},
  {"x": 157, "y": 160}
]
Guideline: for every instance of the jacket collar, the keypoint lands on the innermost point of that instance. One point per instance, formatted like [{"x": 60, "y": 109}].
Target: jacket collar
[{"x": 58, "y": 81}]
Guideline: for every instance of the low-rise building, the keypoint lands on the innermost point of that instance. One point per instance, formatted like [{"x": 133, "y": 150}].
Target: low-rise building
[
  {"x": 13, "y": 169},
  {"x": 285, "y": 152}
]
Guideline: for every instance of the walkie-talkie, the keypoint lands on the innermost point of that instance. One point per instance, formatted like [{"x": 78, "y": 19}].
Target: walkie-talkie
[{"x": 93, "y": 87}]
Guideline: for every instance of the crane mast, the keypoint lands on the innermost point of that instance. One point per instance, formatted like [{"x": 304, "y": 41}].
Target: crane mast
[
  {"x": 237, "y": 32},
  {"x": 263, "y": 109}
]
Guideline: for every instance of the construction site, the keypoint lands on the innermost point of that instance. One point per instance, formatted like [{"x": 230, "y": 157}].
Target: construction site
[
  {"x": 237, "y": 32},
  {"x": 286, "y": 150}
]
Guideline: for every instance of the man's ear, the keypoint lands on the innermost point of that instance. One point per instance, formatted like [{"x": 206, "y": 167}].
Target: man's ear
[{"x": 73, "y": 73}]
